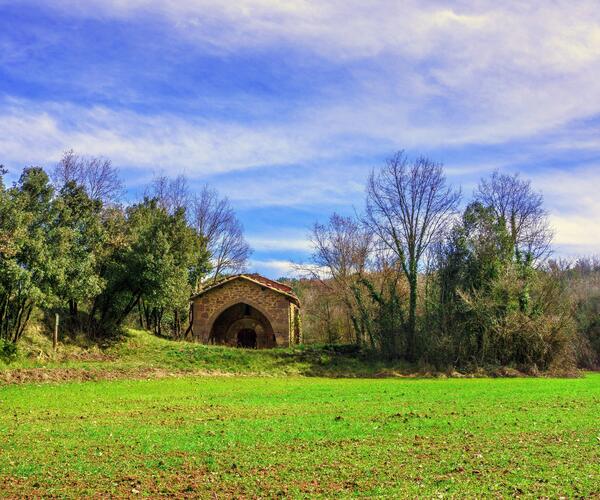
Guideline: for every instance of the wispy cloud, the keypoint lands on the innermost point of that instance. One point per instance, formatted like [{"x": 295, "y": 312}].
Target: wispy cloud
[
  {"x": 274, "y": 267},
  {"x": 28, "y": 133},
  {"x": 418, "y": 74},
  {"x": 290, "y": 104},
  {"x": 510, "y": 69},
  {"x": 269, "y": 244},
  {"x": 574, "y": 205}
]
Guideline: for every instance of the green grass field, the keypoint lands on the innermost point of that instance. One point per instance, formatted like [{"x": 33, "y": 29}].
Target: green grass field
[{"x": 298, "y": 436}]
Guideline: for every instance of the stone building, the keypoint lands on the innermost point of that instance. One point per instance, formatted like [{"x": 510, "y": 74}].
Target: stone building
[{"x": 246, "y": 310}]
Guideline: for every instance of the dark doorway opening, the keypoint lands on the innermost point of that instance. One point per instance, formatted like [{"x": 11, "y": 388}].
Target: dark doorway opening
[
  {"x": 246, "y": 337},
  {"x": 226, "y": 329}
]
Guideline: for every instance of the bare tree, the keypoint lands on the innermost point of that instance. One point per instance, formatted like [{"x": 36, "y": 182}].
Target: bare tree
[
  {"x": 214, "y": 218},
  {"x": 211, "y": 216},
  {"x": 171, "y": 194},
  {"x": 341, "y": 246},
  {"x": 341, "y": 255},
  {"x": 410, "y": 206},
  {"x": 513, "y": 200},
  {"x": 96, "y": 174}
]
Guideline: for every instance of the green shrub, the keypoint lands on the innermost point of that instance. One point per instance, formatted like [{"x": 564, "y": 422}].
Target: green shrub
[{"x": 8, "y": 351}]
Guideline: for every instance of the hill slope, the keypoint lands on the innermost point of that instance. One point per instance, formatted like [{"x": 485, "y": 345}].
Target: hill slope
[{"x": 140, "y": 354}]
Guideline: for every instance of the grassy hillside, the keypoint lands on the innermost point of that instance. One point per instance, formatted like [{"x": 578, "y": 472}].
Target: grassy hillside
[
  {"x": 140, "y": 354},
  {"x": 214, "y": 437}
]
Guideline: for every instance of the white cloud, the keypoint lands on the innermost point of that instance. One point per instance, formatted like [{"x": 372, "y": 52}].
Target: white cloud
[
  {"x": 277, "y": 268},
  {"x": 421, "y": 75},
  {"x": 274, "y": 268},
  {"x": 30, "y": 134},
  {"x": 576, "y": 230},
  {"x": 574, "y": 205},
  {"x": 424, "y": 72},
  {"x": 269, "y": 244}
]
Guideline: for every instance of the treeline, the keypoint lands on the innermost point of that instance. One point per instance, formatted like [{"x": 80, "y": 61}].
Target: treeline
[
  {"x": 70, "y": 245},
  {"x": 414, "y": 277}
]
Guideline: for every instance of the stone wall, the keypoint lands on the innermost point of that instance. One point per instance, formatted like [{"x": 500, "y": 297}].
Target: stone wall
[{"x": 275, "y": 306}]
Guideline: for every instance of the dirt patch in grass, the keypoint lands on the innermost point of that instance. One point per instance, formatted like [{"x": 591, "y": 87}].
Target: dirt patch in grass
[
  {"x": 40, "y": 375},
  {"x": 58, "y": 374}
]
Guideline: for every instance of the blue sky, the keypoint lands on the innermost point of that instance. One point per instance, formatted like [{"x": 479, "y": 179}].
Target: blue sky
[{"x": 285, "y": 106}]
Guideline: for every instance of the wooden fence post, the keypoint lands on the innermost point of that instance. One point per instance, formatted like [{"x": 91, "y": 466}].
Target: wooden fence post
[{"x": 55, "y": 337}]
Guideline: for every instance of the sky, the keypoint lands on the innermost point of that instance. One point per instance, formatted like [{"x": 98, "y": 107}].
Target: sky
[{"x": 285, "y": 106}]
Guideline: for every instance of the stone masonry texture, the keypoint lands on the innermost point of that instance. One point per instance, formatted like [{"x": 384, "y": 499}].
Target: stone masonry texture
[{"x": 278, "y": 308}]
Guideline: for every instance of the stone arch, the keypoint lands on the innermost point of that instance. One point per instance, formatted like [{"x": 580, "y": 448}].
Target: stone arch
[
  {"x": 241, "y": 316},
  {"x": 227, "y": 305}
]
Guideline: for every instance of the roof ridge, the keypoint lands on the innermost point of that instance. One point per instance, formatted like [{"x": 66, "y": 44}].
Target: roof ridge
[
  {"x": 255, "y": 278},
  {"x": 260, "y": 277}
]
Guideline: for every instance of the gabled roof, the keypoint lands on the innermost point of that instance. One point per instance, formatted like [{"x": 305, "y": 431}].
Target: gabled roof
[{"x": 254, "y": 278}]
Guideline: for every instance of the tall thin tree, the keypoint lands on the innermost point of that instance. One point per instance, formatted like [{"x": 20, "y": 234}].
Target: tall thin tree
[{"x": 410, "y": 206}]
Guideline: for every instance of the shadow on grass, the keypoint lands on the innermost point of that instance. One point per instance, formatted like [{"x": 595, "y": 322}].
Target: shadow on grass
[
  {"x": 339, "y": 361},
  {"x": 332, "y": 361}
]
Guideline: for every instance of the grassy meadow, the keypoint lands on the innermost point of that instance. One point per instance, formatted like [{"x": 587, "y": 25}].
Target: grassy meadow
[
  {"x": 140, "y": 354},
  {"x": 225, "y": 436}
]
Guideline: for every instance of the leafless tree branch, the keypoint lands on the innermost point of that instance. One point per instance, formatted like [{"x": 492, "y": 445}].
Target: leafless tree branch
[
  {"x": 96, "y": 174},
  {"x": 514, "y": 200},
  {"x": 214, "y": 218}
]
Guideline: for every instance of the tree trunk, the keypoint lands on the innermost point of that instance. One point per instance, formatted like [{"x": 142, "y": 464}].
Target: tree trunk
[
  {"x": 132, "y": 304},
  {"x": 176, "y": 324},
  {"x": 140, "y": 315},
  {"x": 411, "y": 353},
  {"x": 158, "y": 321},
  {"x": 190, "y": 328}
]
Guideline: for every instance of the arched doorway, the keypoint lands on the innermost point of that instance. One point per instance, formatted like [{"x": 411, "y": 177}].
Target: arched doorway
[
  {"x": 246, "y": 337},
  {"x": 242, "y": 325}
]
